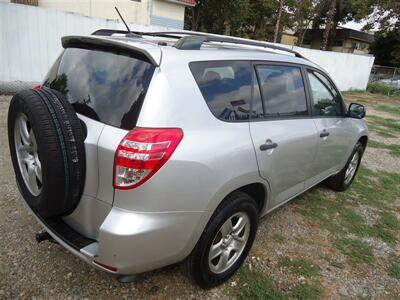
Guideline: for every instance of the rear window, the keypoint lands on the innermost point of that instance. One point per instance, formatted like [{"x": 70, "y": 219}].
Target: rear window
[
  {"x": 105, "y": 86},
  {"x": 226, "y": 87}
]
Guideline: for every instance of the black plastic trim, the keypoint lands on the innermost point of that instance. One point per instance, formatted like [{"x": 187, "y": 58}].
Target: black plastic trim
[{"x": 70, "y": 236}]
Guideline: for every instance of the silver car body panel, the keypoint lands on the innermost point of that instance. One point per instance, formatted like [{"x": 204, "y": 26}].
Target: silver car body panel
[{"x": 159, "y": 222}]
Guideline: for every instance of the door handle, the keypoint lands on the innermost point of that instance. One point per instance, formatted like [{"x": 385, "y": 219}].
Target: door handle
[
  {"x": 324, "y": 133},
  {"x": 268, "y": 145}
]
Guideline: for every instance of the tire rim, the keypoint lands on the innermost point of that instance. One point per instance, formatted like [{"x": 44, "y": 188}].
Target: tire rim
[
  {"x": 351, "y": 168},
  {"x": 28, "y": 155},
  {"x": 229, "y": 243}
]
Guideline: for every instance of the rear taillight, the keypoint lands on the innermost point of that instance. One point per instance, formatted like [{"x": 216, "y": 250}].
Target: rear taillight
[
  {"x": 37, "y": 87},
  {"x": 141, "y": 153}
]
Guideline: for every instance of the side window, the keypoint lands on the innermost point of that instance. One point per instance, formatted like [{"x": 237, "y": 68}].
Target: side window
[
  {"x": 325, "y": 99},
  {"x": 282, "y": 90},
  {"x": 226, "y": 87}
]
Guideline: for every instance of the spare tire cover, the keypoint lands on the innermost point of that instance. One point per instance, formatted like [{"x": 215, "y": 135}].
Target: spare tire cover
[{"x": 46, "y": 140}]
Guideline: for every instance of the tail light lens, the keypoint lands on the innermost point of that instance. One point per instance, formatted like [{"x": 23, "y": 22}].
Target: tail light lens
[{"x": 141, "y": 153}]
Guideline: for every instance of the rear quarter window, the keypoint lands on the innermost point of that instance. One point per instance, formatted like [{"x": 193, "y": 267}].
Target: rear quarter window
[
  {"x": 105, "y": 86},
  {"x": 226, "y": 87}
]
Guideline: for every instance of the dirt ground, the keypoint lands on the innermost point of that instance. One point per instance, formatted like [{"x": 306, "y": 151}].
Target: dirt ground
[{"x": 321, "y": 245}]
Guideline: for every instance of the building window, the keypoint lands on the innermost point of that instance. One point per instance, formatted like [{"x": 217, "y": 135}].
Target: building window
[{"x": 27, "y": 2}]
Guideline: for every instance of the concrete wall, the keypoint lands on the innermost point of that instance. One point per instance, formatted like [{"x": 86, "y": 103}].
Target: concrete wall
[
  {"x": 349, "y": 71},
  {"x": 30, "y": 38},
  {"x": 30, "y": 41}
]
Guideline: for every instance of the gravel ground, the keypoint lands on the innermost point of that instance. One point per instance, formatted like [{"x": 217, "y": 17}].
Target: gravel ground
[{"x": 47, "y": 271}]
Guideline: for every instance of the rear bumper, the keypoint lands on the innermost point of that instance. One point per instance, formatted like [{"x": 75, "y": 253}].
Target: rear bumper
[{"x": 131, "y": 242}]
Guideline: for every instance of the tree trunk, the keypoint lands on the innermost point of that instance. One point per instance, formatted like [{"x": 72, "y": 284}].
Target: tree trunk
[
  {"x": 278, "y": 21},
  {"x": 227, "y": 27},
  {"x": 328, "y": 25}
]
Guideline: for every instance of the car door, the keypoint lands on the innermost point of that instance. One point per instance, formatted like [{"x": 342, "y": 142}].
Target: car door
[
  {"x": 283, "y": 134},
  {"x": 327, "y": 109}
]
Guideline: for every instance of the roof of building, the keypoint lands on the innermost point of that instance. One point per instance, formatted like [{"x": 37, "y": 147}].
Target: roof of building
[
  {"x": 342, "y": 33},
  {"x": 184, "y": 2}
]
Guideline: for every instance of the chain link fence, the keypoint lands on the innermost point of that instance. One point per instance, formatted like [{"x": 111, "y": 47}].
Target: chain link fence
[{"x": 386, "y": 75}]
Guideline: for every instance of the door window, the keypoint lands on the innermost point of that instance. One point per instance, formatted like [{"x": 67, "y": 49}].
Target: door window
[
  {"x": 325, "y": 99},
  {"x": 282, "y": 91}
]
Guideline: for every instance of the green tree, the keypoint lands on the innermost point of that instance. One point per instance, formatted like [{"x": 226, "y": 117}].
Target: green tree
[
  {"x": 386, "y": 47},
  {"x": 218, "y": 16},
  {"x": 329, "y": 13}
]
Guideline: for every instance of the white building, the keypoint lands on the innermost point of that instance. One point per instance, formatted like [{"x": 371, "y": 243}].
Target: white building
[{"x": 167, "y": 13}]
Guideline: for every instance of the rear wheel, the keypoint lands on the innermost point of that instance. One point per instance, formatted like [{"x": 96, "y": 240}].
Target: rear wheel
[
  {"x": 225, "y": 242},
  {"x": 345, "y": 177}
]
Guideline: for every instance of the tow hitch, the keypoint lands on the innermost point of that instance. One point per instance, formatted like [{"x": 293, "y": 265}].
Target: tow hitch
[{"x": 43, "y": 235}]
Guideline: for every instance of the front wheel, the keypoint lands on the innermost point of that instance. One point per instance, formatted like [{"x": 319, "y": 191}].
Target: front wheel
[
  {"x": 225, "y": 242},
  {"x": 345, "y": 177}
]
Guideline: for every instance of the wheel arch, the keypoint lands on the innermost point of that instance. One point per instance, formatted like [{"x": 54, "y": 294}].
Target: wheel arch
[{"x": 364, "y": 141}]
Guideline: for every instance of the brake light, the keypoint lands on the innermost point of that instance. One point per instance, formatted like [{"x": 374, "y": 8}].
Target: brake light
[
  {"x": 141, "y": 153},
  {"x": 37, "y": 87}
]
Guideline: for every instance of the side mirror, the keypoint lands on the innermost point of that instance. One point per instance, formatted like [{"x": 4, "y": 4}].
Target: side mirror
[{"x": 356, "y": 111}]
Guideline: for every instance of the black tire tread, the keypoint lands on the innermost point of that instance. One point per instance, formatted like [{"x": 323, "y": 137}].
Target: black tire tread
[
  {"x": 53, "y": 120},
  {"x": 337, "y": 182}
]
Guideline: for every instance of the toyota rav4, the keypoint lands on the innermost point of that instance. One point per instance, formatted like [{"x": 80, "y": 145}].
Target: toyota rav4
[{"x": 140, "y": 150}]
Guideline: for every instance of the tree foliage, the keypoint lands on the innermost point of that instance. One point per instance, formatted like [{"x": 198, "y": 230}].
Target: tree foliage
[
  {"x": 266, "y": 19},
  {"x": 386, "y": 47}
]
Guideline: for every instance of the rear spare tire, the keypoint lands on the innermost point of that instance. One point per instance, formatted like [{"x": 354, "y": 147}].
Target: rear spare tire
[{"x": 46, "y": 142}]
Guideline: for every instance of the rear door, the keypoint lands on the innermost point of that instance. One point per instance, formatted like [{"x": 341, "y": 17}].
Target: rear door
[
  {"x": 328, "y": 114},
  {"x": 107, "y": 90},
  {"x": 284, "y": 135}
]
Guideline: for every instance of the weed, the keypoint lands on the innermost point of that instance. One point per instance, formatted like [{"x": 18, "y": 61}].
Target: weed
[
  {"x": 393, "y": 148},
  {"x": 381, "y": 131},
  {"x": 388, "y": 108},
  {"x": 279, "y": 238},
  {"x": 305, "y": 292},
  {"x": 394, "y": 270},
  {"x": 254, "y": 285},
  {"x": 381, "y": 88},
  {"x": 301, "y": 266},
  {"x": 356, "y": 249},
  {"x": 390, "y": 220},
  {"x": 388, "y": 123}
]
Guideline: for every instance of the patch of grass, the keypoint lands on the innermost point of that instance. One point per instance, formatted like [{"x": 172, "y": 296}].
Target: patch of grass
[
  {"x": 388, "y": 108},
  {"x": 306, "y": 292},
  {"x": 390, "y": 220},
  {"x": 373, "y": 188},
  {"x": 394, "y": 270},
  {"x": 381, "y": 88},
  {"x": 393, "y": 148},
  {"x": 254, "y": 285},
  {"x": 391, "y": 124},
  {"x": 279, "y": 238},
  {"x": 380, "y": 131},
  {"x": 356, "y": 249},
  {"x": 301, "y": 266}
]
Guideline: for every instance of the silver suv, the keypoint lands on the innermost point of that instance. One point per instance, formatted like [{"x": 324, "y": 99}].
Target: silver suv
[{"x": 141, "y": 150}]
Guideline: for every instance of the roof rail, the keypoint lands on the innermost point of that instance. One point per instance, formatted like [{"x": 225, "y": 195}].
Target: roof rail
[{"x": 194, "y": 40}]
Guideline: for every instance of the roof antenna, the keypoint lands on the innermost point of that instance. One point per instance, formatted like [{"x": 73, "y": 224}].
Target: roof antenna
[{"x": 130, "y": 33}]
